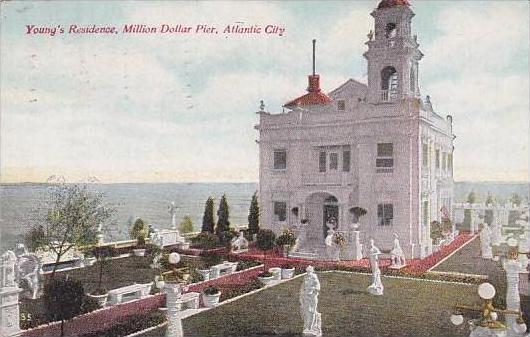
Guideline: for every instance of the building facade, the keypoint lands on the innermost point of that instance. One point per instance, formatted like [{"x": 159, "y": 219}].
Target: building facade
[{"x": 378, "y": 146}]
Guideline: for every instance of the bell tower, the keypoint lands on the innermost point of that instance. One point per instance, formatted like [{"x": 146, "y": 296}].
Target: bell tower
[{"x": 393, "y": 54}]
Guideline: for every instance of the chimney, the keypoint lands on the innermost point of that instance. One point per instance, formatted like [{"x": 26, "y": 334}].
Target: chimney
[{"x": 314, "y": 79}]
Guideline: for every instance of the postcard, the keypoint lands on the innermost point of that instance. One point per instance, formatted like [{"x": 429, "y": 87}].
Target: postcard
[{"x": 264, "y": 168}]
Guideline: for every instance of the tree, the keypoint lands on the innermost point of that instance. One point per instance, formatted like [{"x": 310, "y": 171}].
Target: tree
[
  {"x": 102, "y": 254},
  {"x": 63, "y": 300},
  {"x": 74, "y": 214},
  {"x": 139, "y": 232},
  {"x": 253, "y": 215},
  {"x": 208, "y": 222},
  {"x": 472, "y": 197},
  {"x": 265, "y": 240},
  {"x": 186, "y": 226},
  {"x": 223, "y": 214}
]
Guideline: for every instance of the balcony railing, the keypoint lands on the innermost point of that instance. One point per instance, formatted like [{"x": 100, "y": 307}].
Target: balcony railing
[
  {"x": 385, "y": 97},
  {"x": 327, "y": 178}
]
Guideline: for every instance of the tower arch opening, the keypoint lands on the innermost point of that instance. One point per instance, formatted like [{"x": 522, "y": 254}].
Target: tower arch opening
[{"x": 389, "y": 83}]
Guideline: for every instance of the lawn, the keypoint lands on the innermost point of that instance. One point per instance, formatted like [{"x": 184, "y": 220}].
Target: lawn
[{"x": 408, "y": 308}]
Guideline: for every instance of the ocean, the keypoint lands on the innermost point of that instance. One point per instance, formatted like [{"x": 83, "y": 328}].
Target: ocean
[{"x": 148, "y": 201}]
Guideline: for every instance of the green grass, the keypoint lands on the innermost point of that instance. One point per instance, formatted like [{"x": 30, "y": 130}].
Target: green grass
[{"x": 408, "y": 308}]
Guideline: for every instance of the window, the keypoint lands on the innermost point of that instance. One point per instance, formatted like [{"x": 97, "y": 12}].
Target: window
[
  {"x": 385, "y": 214},
  {"x": 437, "y": 156},
  {"x": 341, "y": 105},
  {"x": 425, "y": 155},
  {"x": 280, "y": 159},
  {"x": 346, "y": 159},
  {"x": 280, "y": 211},
  {"x": 322, "y": 161},
  {"x": 334, "y": 161},
  {"x": 389, "y": 83},
  {"x": 450, "y": 162},
  {"x": 385, "y": 158},
  {"x": 390, "y": 30},
  {"x": 444, "y": 161}
]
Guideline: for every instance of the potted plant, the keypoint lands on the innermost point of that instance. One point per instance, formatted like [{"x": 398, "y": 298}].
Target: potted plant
[
  {"x": 287, "y": 271},
  {"x": 102, "y": 254},
  {"x": 139, "y": 232},
  {"x": 210, "y": 296},
  {"x": 286, "y": 241},
  {"x": 338, "y": 241},
  {"x": 266, "y": 277},
  {"x": 89, "y": 258},
  {"x": 358, "y": 212},
  {"x": 265, "y": 240}
]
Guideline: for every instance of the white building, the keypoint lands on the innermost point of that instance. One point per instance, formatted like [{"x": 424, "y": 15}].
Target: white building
[{"x": 377, "y": 146}]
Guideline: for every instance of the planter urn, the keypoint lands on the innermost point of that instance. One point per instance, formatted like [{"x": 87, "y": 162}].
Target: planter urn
[{"x": 211, "y": 301}]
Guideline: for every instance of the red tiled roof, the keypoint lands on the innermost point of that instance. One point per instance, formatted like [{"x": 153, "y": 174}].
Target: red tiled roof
[
  {"x": 314, "y": 95},
  {"x": 392, "y": 3}
]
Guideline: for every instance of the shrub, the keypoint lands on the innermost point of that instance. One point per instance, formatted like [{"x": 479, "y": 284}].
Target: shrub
[
  {"x": 131, "y": 325},
  {"x": 206, "y": 240},
  {"x": 265, "y": 274},
  {"x": 287, "y": 266},
  {"x": 139, "y": 231},
  {"x": 63, "y": 300},
  {"x": 241, "y": 289},
  {"x": 211, "y": 290},
  {"x": 195, "y": 276},
  {"x": 211, "y": 259},
  {"x": 358, "y": 212},
  {"x": 186, "y": 226},
  {"x": 89, "y": 304},
  {"x": 226, "y": 237},
  {"x": 242, "y": 265},
  {"x": 286, "y": 239},
  {"x": 265, "y": 239}
]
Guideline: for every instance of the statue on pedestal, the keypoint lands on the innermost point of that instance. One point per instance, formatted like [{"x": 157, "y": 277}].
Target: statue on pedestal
[
  {"x": 376, "y": 288},
  {"x": 173, "y": 212},
  {"x": 309, "y": 304},
  {"x": 239, "y": 244},
  {"x": 397, "y": 256}
]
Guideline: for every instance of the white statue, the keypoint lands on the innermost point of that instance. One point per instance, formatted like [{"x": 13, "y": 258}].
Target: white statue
[
  {"x": 173, "y": 211},
  {"x": 309, "y": 304},
  {"x": 485, "y": 242},
  {"x": 157, "y": 239},
  {"x": 9, "y": 260},
  {"x": 396, "y": 255},
  {"x": 329, "y": 238},
  {"x": 376, "y": 288},
  {"x": 239, "y": 243},
  {"x": 28, "y": 272}
]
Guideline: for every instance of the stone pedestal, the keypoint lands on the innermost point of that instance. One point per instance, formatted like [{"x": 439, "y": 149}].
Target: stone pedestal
[
  {"x": 513, "y": 301},
  {"x": 174, "y": 326},
  {"x": 353, "y": 249},
  {"x": 9, "y": 311}
]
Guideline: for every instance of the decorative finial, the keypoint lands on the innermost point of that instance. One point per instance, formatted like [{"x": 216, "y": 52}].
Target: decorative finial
[
  {"x": 261, "y": 106},
  {"x": 370, "y": 35},
  {"x": 428, "y": 99}
]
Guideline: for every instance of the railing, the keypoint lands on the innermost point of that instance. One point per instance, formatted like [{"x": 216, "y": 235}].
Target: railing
[
  {"x": 385, "y": 97},
  {"x": 328, "y": 178}
]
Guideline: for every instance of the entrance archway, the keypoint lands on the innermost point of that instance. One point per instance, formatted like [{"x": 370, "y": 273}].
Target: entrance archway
[{"x": 321, "y": 208}]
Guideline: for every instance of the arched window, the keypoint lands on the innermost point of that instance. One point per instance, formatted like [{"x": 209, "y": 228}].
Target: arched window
[
  {"x": 389, "y": 83},
  {"x": 390, "y": 30},
  {"x": 412, "y": 80}
]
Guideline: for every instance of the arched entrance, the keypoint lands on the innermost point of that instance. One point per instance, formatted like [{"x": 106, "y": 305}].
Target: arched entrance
[{"x": 321, "y": 208}]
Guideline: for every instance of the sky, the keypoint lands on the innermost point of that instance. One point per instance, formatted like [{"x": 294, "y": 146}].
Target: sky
[{"x": 181, "y": 107}]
